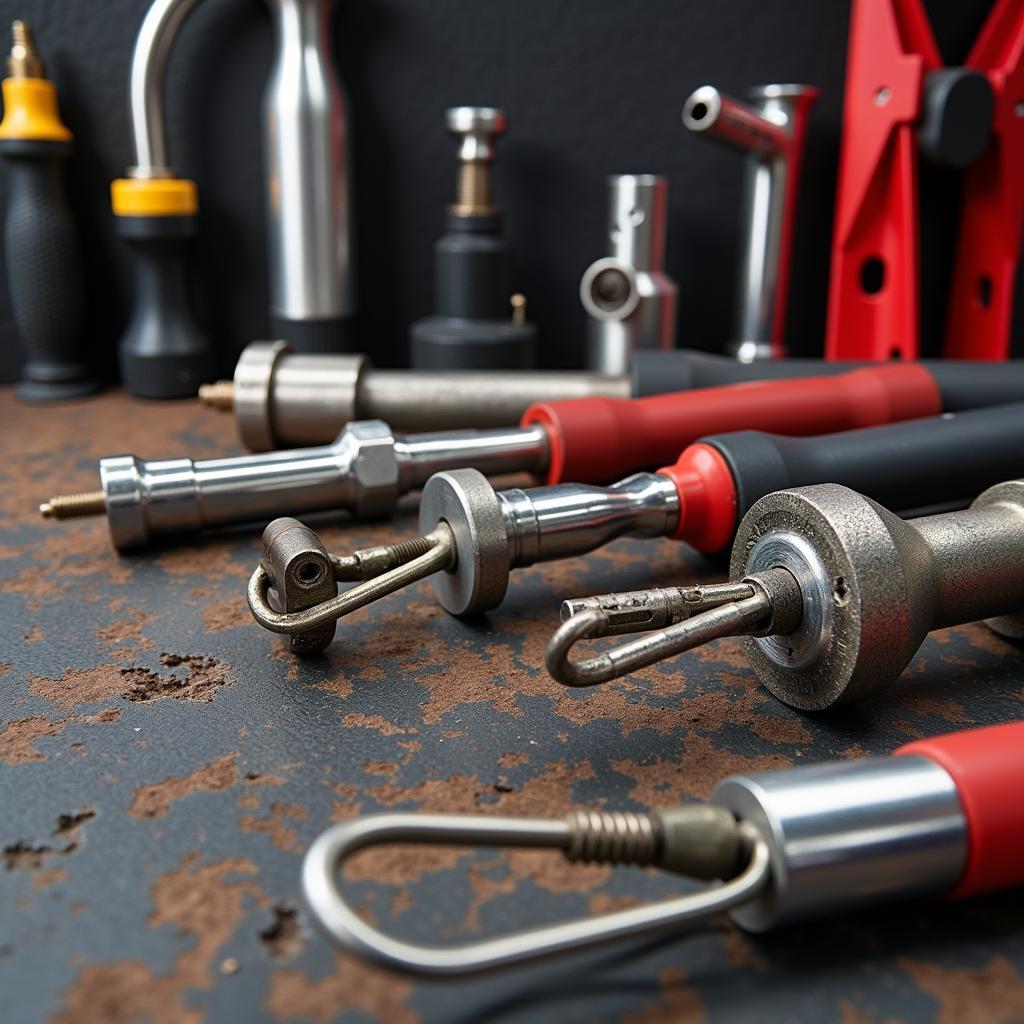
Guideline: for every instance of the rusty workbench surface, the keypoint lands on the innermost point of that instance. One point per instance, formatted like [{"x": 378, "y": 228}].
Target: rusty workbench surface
[{"x": 164, "y": 764}]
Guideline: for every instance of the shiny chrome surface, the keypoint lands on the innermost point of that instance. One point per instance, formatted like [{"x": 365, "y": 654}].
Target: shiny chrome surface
[
  {"x": 364, "y": 471},
  {"x": 771, "y": 131},
  {"x": 146, "y": 87},
  {"x": 629, "y": 299},
  {"x": 306, "y": 153},
  {"x": 848, "y": 834},
  {"x": 562, "y": 520}
]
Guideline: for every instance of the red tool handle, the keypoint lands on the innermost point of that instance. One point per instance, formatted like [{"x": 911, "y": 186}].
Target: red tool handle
[
  {"x": 981, "y": 296},
  {"x": 595, "y": 440},
  {"x": 987, "y": 766}
]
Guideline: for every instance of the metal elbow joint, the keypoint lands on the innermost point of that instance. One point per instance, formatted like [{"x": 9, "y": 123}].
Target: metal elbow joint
[
  {"x": 628, "y": 297},
  {"x": 772, "y": 131}
]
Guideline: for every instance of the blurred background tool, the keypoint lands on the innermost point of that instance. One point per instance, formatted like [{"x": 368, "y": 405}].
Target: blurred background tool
[
  {"x": 901, "y": 98},
  {"x": 163, "y": 353},
  {"x": 285, "y": 399},
  {"x": 629, "y": 299},
  {"x": 773, "y": 132},
  {"x": 479, "y": 322},
  {"x": 307, "y": 144},
  {"x": 41, "y": 254}
]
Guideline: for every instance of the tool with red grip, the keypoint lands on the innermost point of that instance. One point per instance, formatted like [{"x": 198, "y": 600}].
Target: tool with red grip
[
  {"x": 900, "y": 99},
  {"x": 368, "y": 468},
  {"x": 473, "y": 536},
  {"x": 941, "y": 817}
]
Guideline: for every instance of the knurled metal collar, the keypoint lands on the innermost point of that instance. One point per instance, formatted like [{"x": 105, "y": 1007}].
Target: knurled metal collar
[
  {"x": 465, "y": 500},
  {"x": 254, "y": 376},
  {"x": 848, "y": 556}
]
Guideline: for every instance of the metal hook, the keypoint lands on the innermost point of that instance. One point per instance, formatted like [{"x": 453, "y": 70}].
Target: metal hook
[
  {"x": 769, "y": 601},
  {"x": 701, "y": 840},
  {"x": 382, "y": 571}
]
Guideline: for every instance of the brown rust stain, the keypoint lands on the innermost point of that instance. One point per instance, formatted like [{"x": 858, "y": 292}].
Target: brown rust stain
[
  {"x": 226, "y": 615},
  {"x": 18, "y": 737},
  {"x": 679, "y": 1002},
  {"x": 352, "y": 985},
  {"x": 75, "y": 687},
  {"x": 357, "y": 720},
  {"x": 992, "y": 994},
  {"x": 127, "y": 630},
  {"x": 154, "y": 801},
  {"x": 198, "y": 901},
  {"x": 282, "y": 835}
]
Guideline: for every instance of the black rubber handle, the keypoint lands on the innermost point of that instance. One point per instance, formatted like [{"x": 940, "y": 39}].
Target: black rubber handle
[
  {"x": 963, "y": 385},
  {"x": 941, "y": 460},
  {"x": 163, "y": 354},
  {"x": 44, "y": 272}
]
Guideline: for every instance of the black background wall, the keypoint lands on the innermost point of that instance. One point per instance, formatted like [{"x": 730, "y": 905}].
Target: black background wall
[{"x": 591, "y": 87}]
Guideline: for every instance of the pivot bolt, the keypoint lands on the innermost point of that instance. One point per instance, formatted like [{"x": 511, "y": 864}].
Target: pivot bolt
[{"x": 476, "y": 129}]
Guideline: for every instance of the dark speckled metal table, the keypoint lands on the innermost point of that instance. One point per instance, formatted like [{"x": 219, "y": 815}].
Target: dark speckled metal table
[{"x": 165, "y": 762}]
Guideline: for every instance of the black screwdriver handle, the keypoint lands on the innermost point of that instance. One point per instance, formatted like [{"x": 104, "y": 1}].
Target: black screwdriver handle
[
  {"x": 942, "y": 460},
  {"x": 44, "y": 271},
  {"x": 163, "y": 353},
  {"x": 962, "y": 384}
]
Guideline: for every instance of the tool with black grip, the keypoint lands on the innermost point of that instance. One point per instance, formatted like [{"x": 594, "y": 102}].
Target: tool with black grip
[
  {"x": 940, "y": 817},
  {"x": 285, "y": 399},
  {"x": 479, "y": 322},
  {"x": 41, "y": 255},
  {"x": 834, "y": 593},
  {"x": 473, "y": 536},
  {"x": 163, "y": 352},
  {"x": 368, "y": 468}
]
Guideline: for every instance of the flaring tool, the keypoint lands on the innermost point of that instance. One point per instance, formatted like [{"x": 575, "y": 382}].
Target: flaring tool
[
  {"x": 479, "y": 322},
  {"x": 284, "y": 399},
  {"x": 44, "y": 272},
  {"x": 472, "y": 536},
  {"x": 772, "y": 131},
  {"x": 900, "y": 99},
  {"x": 629, "y": 299},
  {"x": 367, "y": 468},
  {"x": 939, "y": 818},
  {"x": 834, "y": 594}
]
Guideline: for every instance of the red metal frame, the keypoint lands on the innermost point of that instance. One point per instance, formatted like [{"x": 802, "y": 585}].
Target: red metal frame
[{"x": 874, "y": 290}]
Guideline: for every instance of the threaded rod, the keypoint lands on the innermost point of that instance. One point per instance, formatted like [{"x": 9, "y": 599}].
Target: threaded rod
[
  {"x": 473, "y": 189},
  {"x": 218, "y": 395},
  {"x": 613, "y": 838},
  {"x": 75, "y": 506},
  {"x": 24, "y": 61}
]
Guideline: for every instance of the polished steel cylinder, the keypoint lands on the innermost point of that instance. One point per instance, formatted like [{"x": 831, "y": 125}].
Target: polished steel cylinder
[
  {"x": 846, "y": 835},
  {"x": 364, "y": 471},
  {"x": 564, "y": 520},
  {"x": 306, "y": 153},
  {"x": 629, "y": 299},
  {"x": 771, "y": 130},
  {"x": 284, "y": 399}
]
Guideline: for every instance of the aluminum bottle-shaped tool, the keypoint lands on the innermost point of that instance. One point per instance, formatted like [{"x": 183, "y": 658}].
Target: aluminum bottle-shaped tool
[
  {"x": 772, "y": 132},
  {"x": 630, "y": 300},
  {"x": 306, "y": 153}
]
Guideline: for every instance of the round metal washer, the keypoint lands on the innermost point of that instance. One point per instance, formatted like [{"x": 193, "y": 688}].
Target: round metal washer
[
  {"x": 810, "y": 640},
  {"x": 465, "y": 500}
]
